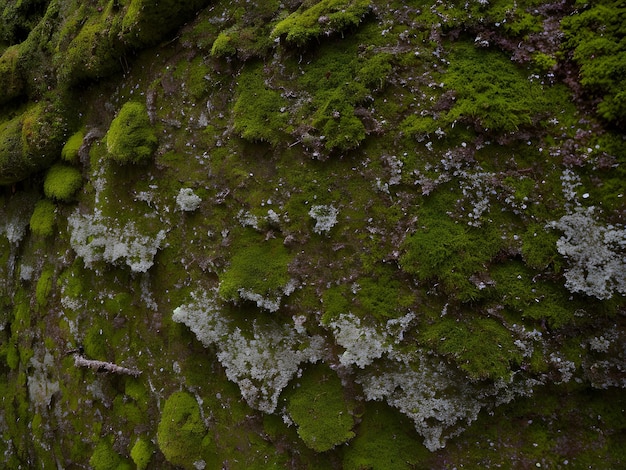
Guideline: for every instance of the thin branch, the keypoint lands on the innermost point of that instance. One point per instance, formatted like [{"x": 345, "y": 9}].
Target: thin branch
[{"x": 101, "y": 366}]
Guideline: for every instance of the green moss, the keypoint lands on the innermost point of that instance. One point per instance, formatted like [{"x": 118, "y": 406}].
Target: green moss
[
  {"x": 259, "y": 267},
  {"x": 384, "y": 297},
  {"x": 44, "y": 286},
  {"x": 336, "y": 301},
  {"x": 146, "y": 23},
  {"x": 94, "y": 53},
  {"x": 141, "y": 453},
  {"x": 181, "y": 431},
  {"x": 131, "y": 138},
  {"x": 105, "y": 458},
  {"x": 595, "y": 36},
  {"x": 320, "y": 410},
  {"x": 385, "y": 441},
  {"x": 324, "y": 17},
  {"x": 98, "y": 340},
  {"x": 481, "y": 347},
  {"x": 224, "y": 44},
  {"x": 11, "y": 80},
  {"x": 42, "y": 222},
  {"x": 449, "y": 251},
  {"x": 69, "y": 153},
  {"x": 62, "y": 182},
  {"x": 258, "y": 114},
  {"x": 31, "y": 141}
]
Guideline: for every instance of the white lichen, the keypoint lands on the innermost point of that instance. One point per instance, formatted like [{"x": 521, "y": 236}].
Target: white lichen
[
  {"x": 261, "y": 360},
  {"x": 187, "y": 200},
  {"x": 325, "y": 217},
  {"x": 98, "y": 238}
]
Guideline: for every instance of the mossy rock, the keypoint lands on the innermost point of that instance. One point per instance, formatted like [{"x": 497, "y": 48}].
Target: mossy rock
[
  {"x": 324, "y": 17},
  {"x": 94, "y": 53},
  {"x": 44, "y": 286},
  {"x": 11, "y": 80},
  {"x": 449, "y": 251},
  {"x": 62, "y": 182},
  {"x": 258, "y": 112},
  {"x": 131, "y": 138},
  {"x": 319, "y": 409},
  {"x": 146, "y": 23}
]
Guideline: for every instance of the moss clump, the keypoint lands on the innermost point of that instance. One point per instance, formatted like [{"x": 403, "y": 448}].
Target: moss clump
[
  {"x": 325, "y": 17},
  {"x": 105, "y": 458},
  {"x": 181, "y": 431},
  {"x": 383, "y": 297},
  {"x": 491, "y": 94},
  {"x": 224, "y": 44},
  {"x": 69, "y": 153},
  {"x": 320, "y": 410},
  {"x": 31, "y": 141},
  {"x": 42, "y": 221},
  {"x": 44, "y": 286},
  {"x": 141, "y": 453},
  {"x": 131, "y": 138},
  {"x": 481, "y": 347},
  {"x": 259, "y": 268},
  {"x": 94, "y": 53},
  {"x": 62, "y": 182}
]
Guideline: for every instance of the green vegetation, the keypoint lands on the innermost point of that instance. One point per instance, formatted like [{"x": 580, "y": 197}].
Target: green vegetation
[
  {"x": 130, "y": 138},
  {"x": 481, "y": 347},
  {"x": 259, "y": 268},
  {"x": 105, "y": 458},
  {"x": 62, "y": 182},
  {"x": 388, "y": 267},
  {"x": 44, "y": 286},
  {"x": 181, "y": 431},
  {"x": 447, "y": 250},
  {"x": 321, "y": 413},
  {"x": 42, "y": 221},
  {"x": 384, "y": 441},
  {"x": 595, "y": 37},
  {"x": 324, "y": 17},
  {"x": 141, "y": 453},
  {"x": 258, "y": 110},
  {"x": 69, "y": 153}
]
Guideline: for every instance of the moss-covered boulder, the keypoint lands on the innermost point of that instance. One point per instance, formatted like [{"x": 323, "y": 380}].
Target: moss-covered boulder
[
  {"x": 131, "y": 138},
  {"x": 31, "y": 142}
]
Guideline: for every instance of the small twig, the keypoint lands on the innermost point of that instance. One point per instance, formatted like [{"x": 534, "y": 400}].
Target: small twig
[{"x": 101, "y": 366}]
